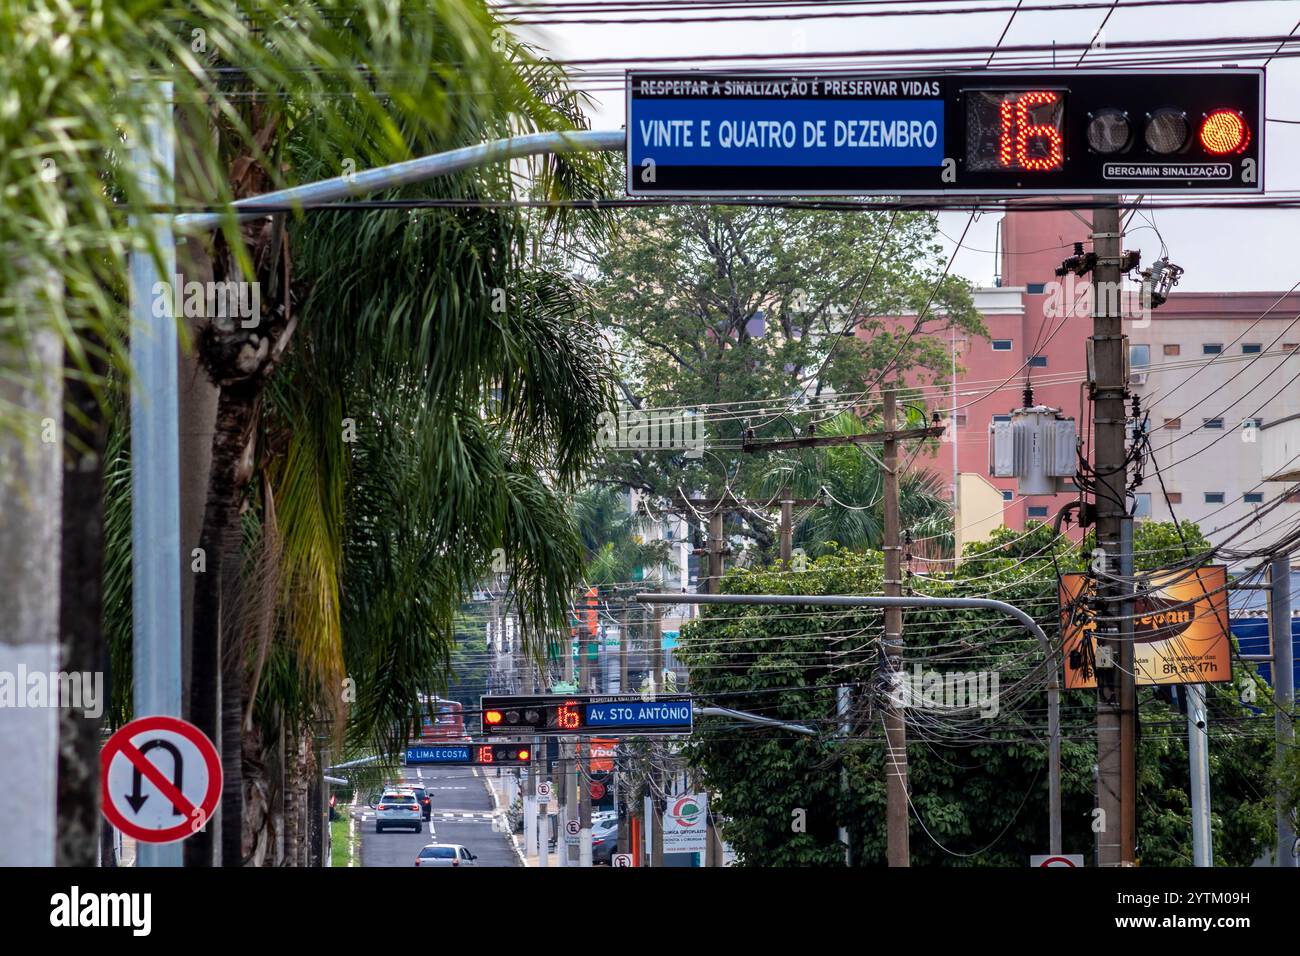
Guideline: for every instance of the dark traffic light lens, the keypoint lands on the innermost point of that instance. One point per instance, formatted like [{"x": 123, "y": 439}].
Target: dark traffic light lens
[
  {"x": 1109, "y": 131},
  {"x": 1167, "y": 131}
]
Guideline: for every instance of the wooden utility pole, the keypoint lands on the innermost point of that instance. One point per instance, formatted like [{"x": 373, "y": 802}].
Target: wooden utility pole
[
  {"x": 1116, "y": 693},
  {"x": 656, "y": 775},
  {"x": 584, "y": 757},
  {"x": 896, "y": 782},
  {"x": 624, "y": 642},
  {"x": 715, "y": 553},
  {"x": 787, "y": 533}
]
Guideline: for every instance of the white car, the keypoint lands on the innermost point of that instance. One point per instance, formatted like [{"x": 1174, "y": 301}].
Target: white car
[
  {"x": 398, "y": 808},
  {"x": 445, "y": 854}
]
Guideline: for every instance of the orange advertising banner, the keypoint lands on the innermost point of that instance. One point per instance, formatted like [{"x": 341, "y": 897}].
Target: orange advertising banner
[
  {"x": 602, "y": 754},
  {"x": 1180, "y": 629}
]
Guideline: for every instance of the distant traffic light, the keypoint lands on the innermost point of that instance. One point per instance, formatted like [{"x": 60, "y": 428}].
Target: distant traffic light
[
  {"x": 582, "y": 715},
  {"x": 473, "y": 755}
]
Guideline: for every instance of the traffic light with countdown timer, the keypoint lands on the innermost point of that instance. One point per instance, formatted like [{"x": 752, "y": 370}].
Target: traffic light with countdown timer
[
  {"x": 585, "y": 715},
  {"x": 1099, "y": 132}
]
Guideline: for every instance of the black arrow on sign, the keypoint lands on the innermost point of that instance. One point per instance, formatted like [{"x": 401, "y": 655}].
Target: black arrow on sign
[{"x": 135, "y": 797}]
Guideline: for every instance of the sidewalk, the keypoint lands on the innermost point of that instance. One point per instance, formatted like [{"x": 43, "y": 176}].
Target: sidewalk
[{"x": 498, "y": 788}]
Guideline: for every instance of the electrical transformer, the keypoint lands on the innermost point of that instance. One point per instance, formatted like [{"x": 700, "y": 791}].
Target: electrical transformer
[{"x": 1037, "y": 448}]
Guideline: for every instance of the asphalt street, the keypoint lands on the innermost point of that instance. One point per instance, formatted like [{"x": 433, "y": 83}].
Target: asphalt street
[{"x": 461, "y": 812}]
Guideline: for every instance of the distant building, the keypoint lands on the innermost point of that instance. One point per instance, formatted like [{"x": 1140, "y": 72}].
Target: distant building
[{"x": 1210, "y": 368}]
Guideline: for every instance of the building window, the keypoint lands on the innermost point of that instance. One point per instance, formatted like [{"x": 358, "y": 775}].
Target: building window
[
  {"x": 1211, "y": 422},
  {"x": 1253, "y": 497},
  {"x": 1142, "y": 505},
  {"x": 1008, "y": 495},
  {"x": 1288, "y": 346},
  {"x": 1173, "y": 424},
  {"x": 1002, "y": 418},
  {"x": 1036, "y": 288},
  {"x": 1002, "y": 345},
  {"x": 1038, "y": 361},
  {"x": 1139, "y": 356},
  {"x": 1214, "y": 497},
  {"x": 1252, "y": 423},
  {"x": 1251, "y": 348},
  {"x": 1174, "y": 349},
  {"x": 1038, "y": 511},
  {"x": 1293, "y": 498},
  {"x": 1175, "y": 497},
  {"x": 1211, "y": 349},
  {"x": 961, "y": 420}
]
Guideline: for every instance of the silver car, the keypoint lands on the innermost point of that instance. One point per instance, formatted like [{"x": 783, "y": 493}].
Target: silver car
[
  {"x": 445, "y": 854},
  {"x": 400, "y": 809}
]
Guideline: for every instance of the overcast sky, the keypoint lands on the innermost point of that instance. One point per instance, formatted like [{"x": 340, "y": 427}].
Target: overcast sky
[{"x": 1221, "y": 250}]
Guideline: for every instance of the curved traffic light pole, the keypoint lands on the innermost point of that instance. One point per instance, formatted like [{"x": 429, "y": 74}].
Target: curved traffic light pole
[
  {"x": 853, "y": 600},
  {"x": 355, "y": 185}
]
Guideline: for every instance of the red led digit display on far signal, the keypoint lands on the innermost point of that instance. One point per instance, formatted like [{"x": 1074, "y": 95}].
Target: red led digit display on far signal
[
  {"x": 568, "y": 716},
  {"x": 1015, "y": 130}
]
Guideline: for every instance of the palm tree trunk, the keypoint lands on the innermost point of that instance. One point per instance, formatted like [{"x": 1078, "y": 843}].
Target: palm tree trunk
[
  {"x": 292, "y": 802},
  {"x": 81, "y": 632},
  {"x": 235, "y": 408},
  {"x": 232, "y": 700}
]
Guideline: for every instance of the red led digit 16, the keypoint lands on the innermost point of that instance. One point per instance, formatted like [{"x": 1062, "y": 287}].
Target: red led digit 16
[
  {"x": 1017, "y": 132},
  {"x": 485, "y": 755},
  {"x": 566, "y": 716}
]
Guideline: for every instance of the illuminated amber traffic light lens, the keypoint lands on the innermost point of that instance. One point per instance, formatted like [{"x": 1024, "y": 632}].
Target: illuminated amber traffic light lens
[
  {"x": 1223, "y": 132},
  {"x": 1167, "y": 131},
  {"x": 523, "y": 755},
  {"x": 492, "y": 716}
]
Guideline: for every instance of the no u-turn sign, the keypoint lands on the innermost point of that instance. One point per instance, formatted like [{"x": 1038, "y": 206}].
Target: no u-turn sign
[{"x": 160, "y": 779}]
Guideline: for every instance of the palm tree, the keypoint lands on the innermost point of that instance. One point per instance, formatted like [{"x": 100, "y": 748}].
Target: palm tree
[
  {"x": 363, "y": 83},
  {"x": 613, "y": 549},
  {"x": 849, "y": 480}
]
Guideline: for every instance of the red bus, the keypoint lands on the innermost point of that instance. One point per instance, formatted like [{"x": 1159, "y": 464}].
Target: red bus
[{"x": 446, "y": 723}]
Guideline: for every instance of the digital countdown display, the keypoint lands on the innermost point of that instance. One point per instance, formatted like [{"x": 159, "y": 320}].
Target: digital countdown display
[
  {"x": 586, "y": 715},
  {"x": 973, "y": 133},
  {"x": 498, "y": 755}
]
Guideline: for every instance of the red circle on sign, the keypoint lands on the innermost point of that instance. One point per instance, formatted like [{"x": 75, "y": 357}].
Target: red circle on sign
[
  {"x": 597, "y": 790},
  {"x": 1054, "y": 861},
  {"x": 120, "y": 743}
]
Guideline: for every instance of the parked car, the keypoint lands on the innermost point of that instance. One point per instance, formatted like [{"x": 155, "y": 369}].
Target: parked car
[
  {"x": 604, "y": 841},
  {"x": 445, "y": 854},
  {"x": 399, "y": 809}
]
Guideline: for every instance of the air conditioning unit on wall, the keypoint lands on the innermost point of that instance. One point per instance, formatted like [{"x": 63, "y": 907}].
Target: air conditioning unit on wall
[{"x": 1038, "y": 447}]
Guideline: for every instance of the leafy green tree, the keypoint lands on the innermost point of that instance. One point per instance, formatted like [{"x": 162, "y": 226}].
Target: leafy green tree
[
  {"x": 614, "y": 551},
  {"x": 741, "y": 314},
  {"x": 418, "y": 395},
  {"x": 849, "y": 480},
  {"x": 979, "y": 785}
]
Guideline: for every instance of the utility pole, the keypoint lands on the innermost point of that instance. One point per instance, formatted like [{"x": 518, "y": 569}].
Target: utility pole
[
  {"x": 842, "y": 705},
  {"x": 715, "y": 552},
  {"x": 625, "y": 639},
  {"x": 656, "y": 777},
  {"x": 1279, "y": 626},
  {"x": 956, "y": 470},
  {"x": 1198, "y": 760},
  {"x": 787, "y": 533},
  {"x": 584, "y": 763},
  {"x": 1116, "y": 692},
  {"x": 896, "y": 782}
]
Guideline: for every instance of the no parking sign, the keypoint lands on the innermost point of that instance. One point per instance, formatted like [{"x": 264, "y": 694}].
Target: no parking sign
[{"x": 160, "y": 779}]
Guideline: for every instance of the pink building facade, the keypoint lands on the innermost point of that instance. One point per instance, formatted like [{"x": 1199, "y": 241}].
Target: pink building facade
[{"x": 1206, "y": 366}]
